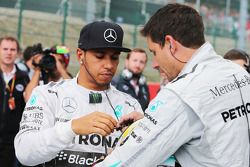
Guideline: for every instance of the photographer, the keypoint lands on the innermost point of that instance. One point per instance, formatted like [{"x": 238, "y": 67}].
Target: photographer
[
  {"x": 31, "y": 54},
  {"x": 51, "y": 66}
]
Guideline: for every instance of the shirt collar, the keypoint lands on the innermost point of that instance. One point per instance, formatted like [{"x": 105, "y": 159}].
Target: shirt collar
[
  {"x": 86, "y": 90},
  {"x": 204, "y": 53},
  {"x": 8, "y": 76}
]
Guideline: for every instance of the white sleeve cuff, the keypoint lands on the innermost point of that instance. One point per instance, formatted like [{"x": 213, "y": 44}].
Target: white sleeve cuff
[{"x": 64, "y": 130}]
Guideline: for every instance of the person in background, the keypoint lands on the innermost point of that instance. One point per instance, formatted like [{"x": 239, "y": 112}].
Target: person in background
[
  {"x": 62, "y": 56},
  {"x": 73, "y": 122},
  {"x": 239, "y": 57},
  {"x": 131, "y": 79},
  {"x": 201, "y": 115},
  {"x": 21, "y": 63},
  {"x": 49, "y": 65},
  {"x": 12, "y": 84},
  {"x": 30, "y": 55}
]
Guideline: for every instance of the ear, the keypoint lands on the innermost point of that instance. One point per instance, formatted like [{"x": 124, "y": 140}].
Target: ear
[
  {"x": 79, "y": 54},
  {"x": 170, "y": 42}
]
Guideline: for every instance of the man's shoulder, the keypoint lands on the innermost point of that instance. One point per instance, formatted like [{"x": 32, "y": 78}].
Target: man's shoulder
[
  {"x": 21, "y": 73},
  {"x": 121, "y": 82},
  {"x": 63, "y": 84},
  {"x": 22, "y": 77},
  {"x": 115, "y": 80},
  {"x": 122, "y": 95},
  {"x": 22, "y": 66},
  {"x": 52, "y": 86}
]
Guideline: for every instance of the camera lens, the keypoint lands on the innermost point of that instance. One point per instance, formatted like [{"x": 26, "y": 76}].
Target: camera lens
[{"x": 48, "y": 63}]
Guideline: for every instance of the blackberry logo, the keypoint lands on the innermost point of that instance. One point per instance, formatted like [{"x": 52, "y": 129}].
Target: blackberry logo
[
  {"x": 75, "y": 158},
  {"x": 62, "y": 156}
]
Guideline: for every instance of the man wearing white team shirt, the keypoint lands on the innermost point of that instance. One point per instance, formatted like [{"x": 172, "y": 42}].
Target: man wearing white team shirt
[
  {"x": 73, "y": 122},
  {"x": 200, "y": 116}
]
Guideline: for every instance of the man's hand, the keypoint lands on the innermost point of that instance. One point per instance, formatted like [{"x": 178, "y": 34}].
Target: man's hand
[
  {"x": 128, "y": 119},
  {"x": 96, "y": 122}
]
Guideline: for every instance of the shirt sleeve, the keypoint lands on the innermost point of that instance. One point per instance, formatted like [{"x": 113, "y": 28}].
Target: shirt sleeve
[
  {"x": 168, "y": 124},
  {"x": 39, "y": 139}
]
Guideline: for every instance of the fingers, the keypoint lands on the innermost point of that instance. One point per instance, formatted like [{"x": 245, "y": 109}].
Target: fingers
[
  {"x": 129, "y": 119},
  {"x": 105, "y": 125},
  {"x": 110, "y": 121},
  {"x": 105, "y": 122},
  {"x": 95, "y": 122},
  {"x": 99, "y": 131},
  {"x": 37, "y": 58}
]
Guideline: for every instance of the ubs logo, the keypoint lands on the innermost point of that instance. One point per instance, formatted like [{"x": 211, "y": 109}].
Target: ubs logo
[
  {"x": 110, "y": 35},
  {"x": 69, "y": 105}
]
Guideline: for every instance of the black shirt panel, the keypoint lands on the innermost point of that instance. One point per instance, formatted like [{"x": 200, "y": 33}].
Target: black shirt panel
[
  {"x": 9, "y": 119},
  {"x": 143, "y": 94}
]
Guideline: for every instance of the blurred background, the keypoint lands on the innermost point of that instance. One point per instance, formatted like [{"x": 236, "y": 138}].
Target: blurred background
[{"x": 50, "y": 22}]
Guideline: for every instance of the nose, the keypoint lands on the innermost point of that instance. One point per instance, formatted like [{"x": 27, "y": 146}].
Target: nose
[
  {"x": 108, "y": 63},
  {"x": 8, "y": 51},
  {"x": 154, "y": 65},
  {"x": 138, "y": 63}
]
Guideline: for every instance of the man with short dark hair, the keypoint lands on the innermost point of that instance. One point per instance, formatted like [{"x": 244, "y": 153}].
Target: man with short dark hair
[
  {"x": 73, "y": 122},
  {"x": 200, "y": 116},
  {"x": 131, "y": 80}
]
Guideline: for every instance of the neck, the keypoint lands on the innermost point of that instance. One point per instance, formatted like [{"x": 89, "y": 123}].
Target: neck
[
  {"x": 187, "y": 54},
  {"x": 85, "y": 81},
  {"x": 7, "y": 68}
]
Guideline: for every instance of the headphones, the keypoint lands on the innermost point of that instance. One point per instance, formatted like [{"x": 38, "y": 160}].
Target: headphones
[
  {"x": 170, "y": 46},
  {"x": 128, "y": 75}
]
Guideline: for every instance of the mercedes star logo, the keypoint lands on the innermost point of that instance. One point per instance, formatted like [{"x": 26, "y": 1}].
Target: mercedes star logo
[
  {"x": 69, "y": 104},
  {"x": 110, "y": 35}
]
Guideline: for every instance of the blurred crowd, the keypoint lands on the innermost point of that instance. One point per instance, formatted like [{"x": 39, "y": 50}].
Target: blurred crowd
[
  {"x": 22, "y": 71},
  {"x": 221, "y": 22}
]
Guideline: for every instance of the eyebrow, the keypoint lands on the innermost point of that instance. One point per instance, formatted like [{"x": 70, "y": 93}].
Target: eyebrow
[{"x": 105, "y": 52}]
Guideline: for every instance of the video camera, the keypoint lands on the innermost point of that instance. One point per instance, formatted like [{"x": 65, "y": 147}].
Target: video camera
[{"x": 47, "y": 64}]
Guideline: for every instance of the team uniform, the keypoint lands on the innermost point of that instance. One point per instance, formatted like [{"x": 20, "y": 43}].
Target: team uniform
[
  {"x": 45, "y": 129},
  {"x": 200, "y": 117}
]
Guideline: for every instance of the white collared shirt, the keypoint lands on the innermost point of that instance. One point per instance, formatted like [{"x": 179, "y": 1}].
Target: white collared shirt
[{"x": 8, "y": 76}]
